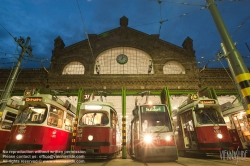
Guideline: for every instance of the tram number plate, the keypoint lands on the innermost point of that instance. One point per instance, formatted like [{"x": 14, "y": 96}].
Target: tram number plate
[{"x": 89, "y": 150}]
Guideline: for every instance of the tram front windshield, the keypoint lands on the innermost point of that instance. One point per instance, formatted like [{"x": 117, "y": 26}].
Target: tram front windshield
[
  {"x": 209, "y": 116},
  {"x": 94, "y": 119},
  {"x": 31, "y": 115},
  {"x": 155, "y": 119}
]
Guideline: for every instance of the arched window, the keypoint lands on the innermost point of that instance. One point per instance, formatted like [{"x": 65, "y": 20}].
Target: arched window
[
  {"x": 173, "y": 67},
  {"x": 73, "y": 68},
  {"x": 123, "y": 60}
]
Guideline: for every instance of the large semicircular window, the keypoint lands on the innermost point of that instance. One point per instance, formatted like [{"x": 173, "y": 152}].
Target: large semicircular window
[
  {"x": 73, "y": 68},
  {"x": 123, "y": 60},
  {"x": 173, "y": 67}
]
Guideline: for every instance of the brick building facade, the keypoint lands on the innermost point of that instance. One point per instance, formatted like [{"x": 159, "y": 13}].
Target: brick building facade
[{"x": 159, "y": 52}]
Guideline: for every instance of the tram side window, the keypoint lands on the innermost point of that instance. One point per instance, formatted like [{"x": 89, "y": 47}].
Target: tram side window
[
  {"x": 8, "y": 120},
  {"x": 187, "y": 122},
  {"x": 104, "y": 119},
  {"x": 228, "y": 122},
  {"x": 55, "y": 117},
  {"x": 69, "y": 122},
  {"x": 114, "y": 119}
]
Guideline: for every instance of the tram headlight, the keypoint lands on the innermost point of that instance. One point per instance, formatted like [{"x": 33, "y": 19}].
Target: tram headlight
[
  {"x": 147, "y": 138},
  {"x": 90, "y": 137},
  {"x": 19, "y": 136},
  {"x": 168, "y": 138},
  {"x": 219, "y": 136}
]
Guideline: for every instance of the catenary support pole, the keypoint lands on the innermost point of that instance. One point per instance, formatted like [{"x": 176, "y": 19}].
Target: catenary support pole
[
  {"x": 234, "y": 79},
  {"x": 124, "y": 151},
  {"x": 240, "y": 70},
  {"x": 79, "y": 102},
  {"x": 10, "y": 83}
]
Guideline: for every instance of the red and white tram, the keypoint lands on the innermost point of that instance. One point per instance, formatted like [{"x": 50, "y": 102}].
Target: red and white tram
[
  {"x": 151, "y": 136},
  {"x": 237, "y": 124},
  {"x": 200, "y": 127},
  {"x": 43, "y": 124},
  {"x": 98, "y": 130},
  {"x": 7, "y": 118}
]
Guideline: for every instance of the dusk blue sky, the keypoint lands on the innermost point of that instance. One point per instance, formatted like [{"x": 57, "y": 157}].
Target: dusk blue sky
[{"x": 45, "y": 20}]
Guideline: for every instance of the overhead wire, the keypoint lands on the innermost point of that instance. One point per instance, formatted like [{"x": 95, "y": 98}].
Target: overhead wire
[
  {"x": 240, "y": 26},
  {"x": 159, "y": 1},
  {"x": 184, "y": 14},
  {"x": 228, "y": 75},
  {"x": 203, "y": 7},
  {"x": 181, "y": 3},
  {"x": 161, "y": 22},
  {"x": 231, "y": 37},
  {"x": 14, "y": 55},
  {"x": 85, "y": 29},
  {"x": 7, "y": 31},
  {"x": 3, "y": 52},
  {"x": 10, "y": 75},
  {"x": 175, "y": 17},
  {"x": 190, "y": 4},
  {"x": 219, "y": 57}
]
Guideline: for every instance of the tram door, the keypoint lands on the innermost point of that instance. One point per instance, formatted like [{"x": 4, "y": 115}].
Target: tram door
[
  {"x": 135, "y": 137},
  {"x": 132, "y": 140},
  {"x": 113, "y": 122},
  {"x": 233, "y": 132},
  {"x": 188, "y": 129}
]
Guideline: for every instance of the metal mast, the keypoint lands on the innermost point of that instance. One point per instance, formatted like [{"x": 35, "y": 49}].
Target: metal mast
[
  {"x": 10, "y": 83},
  {"x": 239, "y": 69}
]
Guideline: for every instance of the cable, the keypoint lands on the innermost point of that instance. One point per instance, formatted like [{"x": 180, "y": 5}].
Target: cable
[
  {"x": 85, "y": 30},
  {"x": 7, "y": 31},
  {"x": 229, "y": 76},
  {"x": 181, "y": 3},
  {"x": 159, "y": 1},
  {"x": 231, "y": 37},
  {"x": 10, "y": 75},
  {"x": 240, "y": 26}
]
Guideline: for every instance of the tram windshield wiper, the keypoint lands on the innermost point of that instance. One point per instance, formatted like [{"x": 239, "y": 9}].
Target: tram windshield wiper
[
  {"x": 211, "y": 119},
  {"x": 28, "y": 115},
  {"x": 163, "y": 129},
  {"x": 157, "y": 129}
]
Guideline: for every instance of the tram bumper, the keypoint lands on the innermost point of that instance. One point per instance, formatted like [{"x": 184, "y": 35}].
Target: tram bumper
[
  {"x": 216, "y": 146},
  {"x": 159, "y": 154},
  {"x": 17, "y": 147}
]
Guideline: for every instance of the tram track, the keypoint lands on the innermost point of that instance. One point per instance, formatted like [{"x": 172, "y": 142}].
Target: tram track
[
  {"x": 145, "y": 164},
  {"x": 106, "y": 162},
  {"x": 180, "y": 163}
]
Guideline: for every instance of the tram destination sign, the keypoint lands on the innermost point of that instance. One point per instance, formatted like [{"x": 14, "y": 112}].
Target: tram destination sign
[
  {"x": 155, "y": 108},
  {"x": 207, "y": 102},
  {"x": 33, "y": 99}
]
